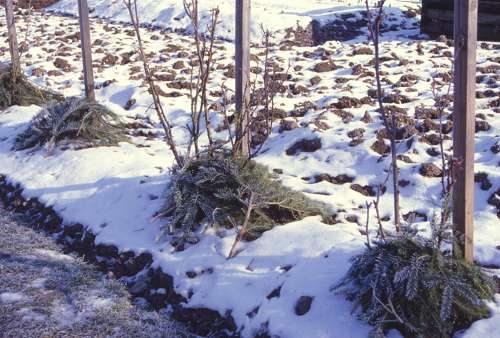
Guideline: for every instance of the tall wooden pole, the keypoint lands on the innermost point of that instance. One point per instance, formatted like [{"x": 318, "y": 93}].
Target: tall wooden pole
[
  {"x": 14, "y": 47},
  {"x": 466, "y": 13},
  {"x": 88, "y": 74},
  {"x": 242, "y": 58}
]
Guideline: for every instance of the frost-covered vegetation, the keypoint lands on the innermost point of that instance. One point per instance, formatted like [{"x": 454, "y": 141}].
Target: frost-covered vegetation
[
  {"x": 229, "y": 194},
  {"x": 416, "y": 285},
  {"x": 73, "y": 120},
  {"x": 22, "y": 92},
  {"x": 45, "y": 293}
]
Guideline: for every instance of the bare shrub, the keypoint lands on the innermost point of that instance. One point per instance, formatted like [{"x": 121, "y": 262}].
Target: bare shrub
[
  {"x": 134, "y": 18},
  {"x": 388, "y": 118},
  {"x": 201, "y": 68}
]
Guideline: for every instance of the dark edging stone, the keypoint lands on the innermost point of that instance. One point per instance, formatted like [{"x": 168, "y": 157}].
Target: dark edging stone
[{"x": 142, "y": 279}]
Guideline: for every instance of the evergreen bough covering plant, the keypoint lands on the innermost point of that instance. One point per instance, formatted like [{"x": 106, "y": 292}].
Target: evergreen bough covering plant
[
  {"x": 409, "y": 283},
  {"x": 222, "y": 192},
  {"x": 73, "y": 119},
  {"x": 22, "y": 92}
]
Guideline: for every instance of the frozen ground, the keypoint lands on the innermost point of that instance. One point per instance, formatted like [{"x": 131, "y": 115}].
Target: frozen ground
[
  {"x": 116, "y": 191},
  {"x": 45, "y": 293}
]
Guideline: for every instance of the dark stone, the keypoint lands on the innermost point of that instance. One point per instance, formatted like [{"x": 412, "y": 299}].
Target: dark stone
[
  {"x": 483, "y": 179},
  {"x": 303, "y": 108},
  {"x": 140, "y": 286},
  {"x": 396, "y": 98},
  {"x": 191, "y": 274},
  {"x": 344, "y": 115},
  {"x": 204, "y": 322},
  {"x": 339, "y": 179},
  {"x": 62, "y": 65},
  {"x": 130, "y": 103},
  {"x": 380, "y": 147},
  {"x": 366, "y": 190},
  {"x": 356, "y": 133},
  {"x": 110, "y": 60},
  {"x": 432, "y": 152},
  {"x": 325, "y": 66},
  {"x": 254, "y": 312},
  {"x": 304, "y": 145},
  {"x": 179, "y": 65},
  {"x": 352, "y": 219},
  {"x": 303, "y": 305},
  {"x": 135, "y": 265},
  {"x": 415, "y": 216},
  {"x": 347, "y": 102},
  {"x": 495, "y": 149},
  {"x": 367, "y": 118},
  {"x": 365, "y": 50},
  {"x": 494, "y": 199},
  {"x": 430, "y": 170},
  {"x": 482, "y": 126},
  {"x": 73, "y": 231},
  {"x": 157, "y": 298},
  {"x": 315, "y": 80},
  {"x": 287, "y": 125},
  {"x": 106, "y": 250},
  {"x": 276, "y": 293}
]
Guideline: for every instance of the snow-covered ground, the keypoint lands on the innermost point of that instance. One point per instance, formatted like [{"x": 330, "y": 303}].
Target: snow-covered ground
[
  {"x": 116, "y": 190},
  {"x": 273, "y": 15}
]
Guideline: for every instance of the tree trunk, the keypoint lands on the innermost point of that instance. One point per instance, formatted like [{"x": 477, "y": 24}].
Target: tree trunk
[{"x": 14, "y": 47}]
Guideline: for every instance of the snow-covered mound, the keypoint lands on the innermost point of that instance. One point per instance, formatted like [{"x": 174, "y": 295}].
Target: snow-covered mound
[{"x": 275, "y": 15}]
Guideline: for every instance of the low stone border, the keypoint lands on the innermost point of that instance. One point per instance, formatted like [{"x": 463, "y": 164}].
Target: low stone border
[{"x": 143, "y": 281}]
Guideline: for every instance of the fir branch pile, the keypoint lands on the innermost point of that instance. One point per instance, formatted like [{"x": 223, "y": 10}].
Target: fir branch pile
[
  {"x": 216, "y": 191},
  {"x": 74, "y": 120},
  {"x": 22, "y": 92},
  {"x": 410, "y": 283}
]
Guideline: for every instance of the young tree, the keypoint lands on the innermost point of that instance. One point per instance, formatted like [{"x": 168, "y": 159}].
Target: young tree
[
  {"x": 388, "y": 119},
  {"x": 167, "y": 127}
]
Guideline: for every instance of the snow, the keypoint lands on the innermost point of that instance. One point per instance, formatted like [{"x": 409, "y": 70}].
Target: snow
[
  {"x": 31, "y": 315},
  {"x": 485, "y": 327},
  {"x": 116, "y": 191},
  {"x": 169, "y": 14},
  {"x": 39, "y": 283},
  {"x": 54, "y": 255},
  {"x": 11, "y": 297}
]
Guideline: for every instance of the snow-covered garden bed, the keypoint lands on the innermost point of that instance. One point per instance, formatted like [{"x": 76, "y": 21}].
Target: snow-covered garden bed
[{"x": 117, "y": 191}]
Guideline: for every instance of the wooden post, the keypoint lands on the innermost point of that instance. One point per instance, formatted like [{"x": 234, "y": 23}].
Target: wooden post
[
  {"x": 88, "y": 74},
  {"x": 242, "y": 58},
  {"x": 466, "y": 13},
  {"x": 14, "y": 47}
]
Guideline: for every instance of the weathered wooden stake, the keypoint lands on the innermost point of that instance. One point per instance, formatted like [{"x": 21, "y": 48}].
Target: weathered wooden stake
[
  {"x": 14, "y": 47},
  {"x": 242, "y": 58},
  {"x": 466, "y": 13},
  {"x": 88, "y": 73}
]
